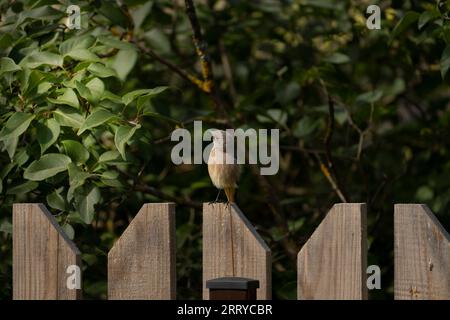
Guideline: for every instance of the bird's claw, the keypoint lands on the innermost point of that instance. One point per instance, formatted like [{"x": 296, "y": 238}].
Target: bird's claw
[{"x": 214, "y": 202}]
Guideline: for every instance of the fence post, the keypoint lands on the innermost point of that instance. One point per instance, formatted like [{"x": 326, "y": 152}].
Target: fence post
[
  {"x": 233, "y": 248},
  {"x": 422, "y": 254},
  {"x": 332, "y": 264},
  {"x": 41, "y": 255},
  {"x": 141, "y": 264}
]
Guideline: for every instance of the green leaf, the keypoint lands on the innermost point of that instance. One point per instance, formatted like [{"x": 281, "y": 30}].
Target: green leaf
[
  {"x": 37, "y": 59},
  {"x": 8, "y": 65},
  {"x": 338, "y": 58},
  {"x": 305, "y": 127},
  {"x": 85, "y": 203},
  {"x": 99, "y": 70},
  {"x": 17, "y": 124},
  {"x": 408, "y": 19},
  {"x": 115, "y": 43},
  {"x": 76, "y": 151},
  {"x": 69, "y": 97},
  {"x": 123, "y": 135},
  {"x": 84, "y": 91},
  {"x": 111, "y": 97},
  {"x": 6, "y": 227},
  {"x": 21, "y": 157},
  {"x": 426, "y": 17},
  {"x": 44, "y": 87},
  {"x": 95, "y": 119},
  {"x": 77, "y": 177},
  {"x": 45, "y": 12},
  {"x": 130, "y": 96},
  {"x": 161, "y": 117},
  {"x": 112, "y": 11},
  {"x": 23, "y": 188},
  {"x": 110, "y": 156},
  {"x": 56, "y": 201},
  {"x": 69, "y": 231},
  {"x": 47, "y": 166},
  {"x": 82, "y": 55},
  {"x": 10, "y": 145},
  {"x": 97, "y": 87},
  {"x": 273, "y": 115},
  {"x": 74, "y": 43},
  {"x": 424, "y": 194},
  {"x": 445, "y": 62},
  {"x": 48, "y": 132},
  {"x": 123, "y": 63},
  {"x": 370, "y": 97},
  {"x": 159, "y": 40},
  {"x": 110, "y": 175},
  {"x": 31, "y": 79},
  {"x": 68, "y": 117},
  {"x": 6, "y": 169}
]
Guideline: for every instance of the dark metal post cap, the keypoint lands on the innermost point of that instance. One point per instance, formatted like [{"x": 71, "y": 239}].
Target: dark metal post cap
[{"x": 232, "y": 283}]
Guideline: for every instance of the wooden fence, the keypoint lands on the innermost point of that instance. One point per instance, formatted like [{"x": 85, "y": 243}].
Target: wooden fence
[{"x": 141, "y": 264}]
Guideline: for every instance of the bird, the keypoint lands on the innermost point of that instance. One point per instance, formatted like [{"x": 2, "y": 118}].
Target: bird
[{"x": 222, "y": 166}]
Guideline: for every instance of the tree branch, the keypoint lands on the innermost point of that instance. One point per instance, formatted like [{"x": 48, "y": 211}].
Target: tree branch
[
  {"x": 161, "y": 195},
  {"x": 163, "y": 61},
  {"x": 200, "y": 47},
  {"x": 207, "y": 85},
  {"x": 329, "y": 170},
  {"x": 137, "y": 186}
]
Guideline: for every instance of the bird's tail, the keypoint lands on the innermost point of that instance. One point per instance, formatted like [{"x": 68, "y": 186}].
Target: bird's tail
[{"x": 230, "y": 194}]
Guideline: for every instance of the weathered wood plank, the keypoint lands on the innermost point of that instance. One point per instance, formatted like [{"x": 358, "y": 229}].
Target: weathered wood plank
[
  {"x": 332, "y": 264},
  {"x": 232, "y": 248},
  {"x": 41, "y": 255},
  {"x": 422, "y": 254},
  {"x": 141, "y": 264}
]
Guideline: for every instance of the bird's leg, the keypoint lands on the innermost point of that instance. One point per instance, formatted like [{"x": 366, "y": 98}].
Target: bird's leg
[
  {"x": 218, "y": 194},
  {"x": 217, "y": 198},
  {"x": 229, "y": 192}
]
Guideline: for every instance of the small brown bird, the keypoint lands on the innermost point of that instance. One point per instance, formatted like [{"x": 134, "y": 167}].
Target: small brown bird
[{"x": 222, "y": 166}]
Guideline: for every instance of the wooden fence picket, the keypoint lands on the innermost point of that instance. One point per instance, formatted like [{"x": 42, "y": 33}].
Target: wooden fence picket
[
  {"x": 422, "y": 254},
  {"x": 332, "y": 264},
  {"x": 41, "y": 255},
  {"x": 141, "y": 264},
  {"x": 233, "y": 248}
]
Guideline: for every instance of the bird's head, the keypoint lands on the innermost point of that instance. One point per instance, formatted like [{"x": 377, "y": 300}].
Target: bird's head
[{"x": 220, "y": 137}]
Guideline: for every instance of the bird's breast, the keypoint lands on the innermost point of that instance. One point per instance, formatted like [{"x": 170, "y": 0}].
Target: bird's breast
[{"x": 222, "y": 175}]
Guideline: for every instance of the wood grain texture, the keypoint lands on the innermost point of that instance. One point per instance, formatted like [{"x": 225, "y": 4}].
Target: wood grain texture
[
  {"x": 41, "y": 254},
  {"x": 232, "y": 248},
  {"x": 332, "y": 264},
  {"x": 141, "y": 264},
  {"x": 422, "y": 254}
]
